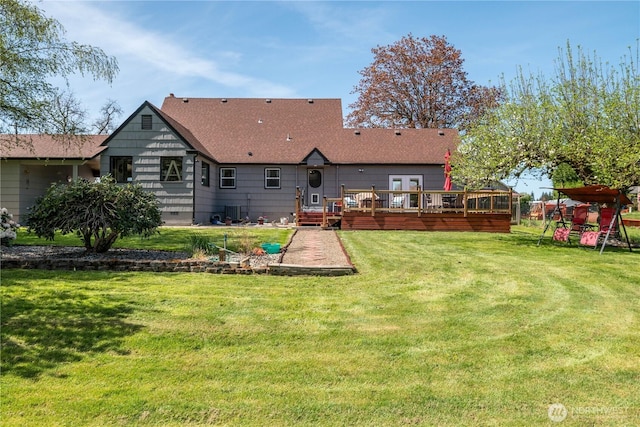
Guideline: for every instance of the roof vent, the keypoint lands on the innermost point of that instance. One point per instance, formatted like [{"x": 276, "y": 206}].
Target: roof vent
[
  {"x": 268, "y": 101},
  {"x": 356, "y": 132},
  {"x": 310, "y": 101},
  {"x": 397, "y": 131},
  {"x": 260, "y": 121},
  {"x": 171, "y": 95},
  {"x": 289, "y": 137},
  {"x": 223, "y": 100},
  {"x": 250, "y": 153},
  {"x": 185, "y": 100},
  {"x": 441, "y": 132}
]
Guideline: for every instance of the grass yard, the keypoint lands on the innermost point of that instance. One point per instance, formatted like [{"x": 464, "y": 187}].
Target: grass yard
[{"x": 442, "y": 329}]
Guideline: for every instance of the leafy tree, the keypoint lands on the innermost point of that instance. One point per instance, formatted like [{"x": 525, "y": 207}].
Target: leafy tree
[
  {"x": 525, "y": 204},
  {"x": 32, "y": 50},
  {"x": 418, "y": 83},
  {"x": 98, "y": 212},
  {"x": 580, "y": 125}
]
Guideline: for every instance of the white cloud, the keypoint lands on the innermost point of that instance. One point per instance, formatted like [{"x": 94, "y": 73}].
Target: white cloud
[{"x": 150, "y": 52}]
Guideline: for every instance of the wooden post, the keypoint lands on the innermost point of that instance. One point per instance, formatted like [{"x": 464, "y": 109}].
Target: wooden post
[
  {"x": 297, "y": 210},
  {"x": 324, "y": 212},
  {"x": 419, "y": 201},
  {"x": 343, "y": 206},
  {"x": 373, "y": 200},
  {"x": 466, "y": 202},
  {"x": 511, "y": 202}
]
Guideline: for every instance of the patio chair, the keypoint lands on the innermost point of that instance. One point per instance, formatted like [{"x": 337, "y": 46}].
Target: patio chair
[
  {"x": 607, "y": 222},
  {"x": 577, "y": 225}
]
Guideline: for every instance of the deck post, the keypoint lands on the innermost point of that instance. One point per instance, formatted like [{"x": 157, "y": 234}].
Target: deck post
[
  {"x": 324, "y": 212},
  {"x": 373, "y": 200},
  {"x": 466, "y": 202},
  {"x": 419, "y": 201},
  {"x": 297, "y": 209},
  {"x": 342, "y": 204}
]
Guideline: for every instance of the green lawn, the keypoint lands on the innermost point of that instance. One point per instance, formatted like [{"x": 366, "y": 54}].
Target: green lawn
[{"x": 436, "y": 329}]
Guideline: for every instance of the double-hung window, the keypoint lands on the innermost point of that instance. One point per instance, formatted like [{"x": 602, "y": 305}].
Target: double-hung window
[
  {"x": 227, "y": 177},
  {"x": 272, "y": 178},
  {"x": 121, "y": 168},
  {"x": 205, "y": 171}
]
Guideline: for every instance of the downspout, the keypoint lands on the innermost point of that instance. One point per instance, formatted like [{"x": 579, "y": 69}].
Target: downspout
[{"x": 193, "y": 206}]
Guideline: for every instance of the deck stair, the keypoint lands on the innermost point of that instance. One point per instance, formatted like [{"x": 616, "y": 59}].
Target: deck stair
[{"x": 309, "y": 218}]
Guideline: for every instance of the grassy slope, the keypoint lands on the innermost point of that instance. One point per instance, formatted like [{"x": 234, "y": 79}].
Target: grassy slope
[{"x": 436, "y": 329}]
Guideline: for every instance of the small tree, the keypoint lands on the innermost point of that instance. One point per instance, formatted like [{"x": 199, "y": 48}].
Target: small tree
[{"x": 98, "y": 212}]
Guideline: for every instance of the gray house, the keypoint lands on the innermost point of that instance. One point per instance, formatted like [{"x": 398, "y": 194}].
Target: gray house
[
  {"x": 209, "y": 158},
  {"x": 216, "y": 157}
]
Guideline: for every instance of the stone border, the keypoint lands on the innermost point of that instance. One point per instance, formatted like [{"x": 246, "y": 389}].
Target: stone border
[
  {"x": 316, "y": 270},
  {"x": 176, "y": 266}
]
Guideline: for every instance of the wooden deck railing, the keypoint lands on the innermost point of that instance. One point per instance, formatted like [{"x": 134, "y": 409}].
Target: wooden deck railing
[
  {"x": 426, "y": 201},
  {"x": 419, "y": 201}
]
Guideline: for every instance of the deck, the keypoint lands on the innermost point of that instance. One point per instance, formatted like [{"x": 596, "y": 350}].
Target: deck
[
  {"x": 424, "y": 210},
  {"x": 492, "y": 223}
]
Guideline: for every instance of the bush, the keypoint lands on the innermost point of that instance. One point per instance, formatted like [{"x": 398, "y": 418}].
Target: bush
[
  {"x": 199, "y": 246},
  {"x": 98, "y": 212},
  {"x": 8, "y": 228}
]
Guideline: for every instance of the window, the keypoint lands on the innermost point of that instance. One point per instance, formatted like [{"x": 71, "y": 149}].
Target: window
[
  {"x": 204, "y": 179},
  {"x": 315, "y": 178},
  {"x": 146, "y": 122},
  {"x": 272, "y": 178},
  {"x": 121, "y": 168},
  {"x": 171, "y": 169},
  {"x": 227, "y": 177}
]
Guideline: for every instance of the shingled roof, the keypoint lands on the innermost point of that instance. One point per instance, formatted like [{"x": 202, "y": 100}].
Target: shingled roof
[
  {"x": 286, "y": 131},
  {"x": 54, "y": 147}
]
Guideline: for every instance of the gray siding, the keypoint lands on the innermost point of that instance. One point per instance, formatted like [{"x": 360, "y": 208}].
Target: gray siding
[
  {"x": 147, "y": 147},
  {"x": 205, "y": 196},
  {"x": 378, "y": 175},
  {"x": 10, "y": 176},
  {"x": 251, "y": 195}
]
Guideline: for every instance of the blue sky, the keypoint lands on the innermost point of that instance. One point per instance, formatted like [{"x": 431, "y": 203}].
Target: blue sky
[{"x": 315, "y": 49}]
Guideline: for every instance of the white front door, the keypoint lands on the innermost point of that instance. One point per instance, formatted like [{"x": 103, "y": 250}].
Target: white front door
[{"x": 404, "y": 183}]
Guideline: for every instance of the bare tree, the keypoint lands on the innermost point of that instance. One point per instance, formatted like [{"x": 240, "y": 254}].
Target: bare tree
[{"x": 106, "y": 123}]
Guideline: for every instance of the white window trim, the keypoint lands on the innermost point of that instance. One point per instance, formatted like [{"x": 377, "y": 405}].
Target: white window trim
[
  {"x": 235, "y": 178},
  {"x": 267, "y": 178}
]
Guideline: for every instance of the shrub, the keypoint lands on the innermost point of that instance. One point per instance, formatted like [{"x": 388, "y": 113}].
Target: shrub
[
  {"x": 199, "y": 246},
  {"x": 8, "y": 227},
  {"x": 98, "y": 212}
]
